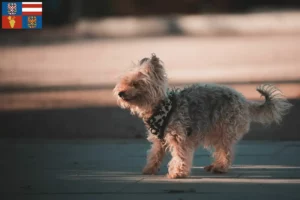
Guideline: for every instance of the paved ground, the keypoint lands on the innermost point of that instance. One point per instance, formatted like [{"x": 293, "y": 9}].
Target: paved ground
[{"x": 111, "y": 169}]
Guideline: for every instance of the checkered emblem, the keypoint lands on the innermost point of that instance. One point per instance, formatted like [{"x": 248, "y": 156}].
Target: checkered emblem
[{"x": 12, "y": 8}]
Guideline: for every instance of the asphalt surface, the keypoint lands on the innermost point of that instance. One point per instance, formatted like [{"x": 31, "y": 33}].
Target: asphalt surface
[{"x": 111, "y": 169}]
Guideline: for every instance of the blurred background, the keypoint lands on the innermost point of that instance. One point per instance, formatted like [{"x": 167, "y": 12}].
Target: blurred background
[{"x": 57, "y": 82}]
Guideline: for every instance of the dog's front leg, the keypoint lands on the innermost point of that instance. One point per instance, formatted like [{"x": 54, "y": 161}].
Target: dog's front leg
[
  {"x": 155, "y": 157},
  {"x": 182, "y": 160}
]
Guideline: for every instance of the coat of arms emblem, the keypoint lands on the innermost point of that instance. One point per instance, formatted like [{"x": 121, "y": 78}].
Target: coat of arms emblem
[
  {"x": 12, "y": 8},
  {"x": 32, "y": 21}
]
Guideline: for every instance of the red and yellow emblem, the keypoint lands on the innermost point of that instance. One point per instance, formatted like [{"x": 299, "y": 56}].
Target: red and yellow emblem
[{"x": 12, "y": 22}]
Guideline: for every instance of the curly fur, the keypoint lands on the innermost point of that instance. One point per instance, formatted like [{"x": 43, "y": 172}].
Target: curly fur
[{"x": 218, "y": 115}]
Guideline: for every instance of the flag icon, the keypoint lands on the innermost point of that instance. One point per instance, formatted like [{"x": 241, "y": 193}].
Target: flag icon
[
  {"x": 32, "y": 8},
  {"x": 32, "y": 22},
  {"x": 11, "y": 8},
  {"x": 12, "y": 22},
  {"x": 22, "y": 15}
]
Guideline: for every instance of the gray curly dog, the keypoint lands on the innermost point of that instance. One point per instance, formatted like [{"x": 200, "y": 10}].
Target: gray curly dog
[{"x": 179, "y": 121}]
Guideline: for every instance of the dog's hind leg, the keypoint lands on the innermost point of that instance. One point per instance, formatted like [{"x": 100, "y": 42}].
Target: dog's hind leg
[
  {"x": 224, "y": 142},
  {"x": 223, "y": 157}
]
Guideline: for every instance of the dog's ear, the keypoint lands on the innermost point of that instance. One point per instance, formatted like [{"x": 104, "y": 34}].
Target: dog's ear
[
  {"x": 144, "y": 60},
  {"x": 155, "y": 61},
  {"x": 153, "y": 65}
]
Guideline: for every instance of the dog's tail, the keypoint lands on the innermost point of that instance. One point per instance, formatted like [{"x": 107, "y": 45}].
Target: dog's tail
[{"x": 274, "y": 107}]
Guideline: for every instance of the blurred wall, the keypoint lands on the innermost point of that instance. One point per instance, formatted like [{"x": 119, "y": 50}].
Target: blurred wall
[
  {"x": 59, "y": 12},
  {"x": 158, "y": 7}
]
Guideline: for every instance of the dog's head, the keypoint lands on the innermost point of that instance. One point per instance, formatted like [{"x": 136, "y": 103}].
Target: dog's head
[{"x": 143, "y": 87}]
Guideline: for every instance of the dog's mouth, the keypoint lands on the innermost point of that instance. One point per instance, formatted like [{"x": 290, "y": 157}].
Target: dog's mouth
[{"x": 125, "y": 98}]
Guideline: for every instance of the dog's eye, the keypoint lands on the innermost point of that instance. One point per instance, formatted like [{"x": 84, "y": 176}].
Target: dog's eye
[{"x": 135, "y": 84}]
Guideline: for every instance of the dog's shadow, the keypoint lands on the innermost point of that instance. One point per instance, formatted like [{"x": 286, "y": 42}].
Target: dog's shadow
[
  {"x": 246, "y": 172},
  {"x": 251, "y": 172}
]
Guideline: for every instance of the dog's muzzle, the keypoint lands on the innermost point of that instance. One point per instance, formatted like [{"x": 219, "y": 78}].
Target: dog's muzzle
[{"x": 123, "y": 96}]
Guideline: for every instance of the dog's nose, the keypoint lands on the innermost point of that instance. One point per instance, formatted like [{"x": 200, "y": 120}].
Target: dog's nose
[{"x": 121, "y": 94}]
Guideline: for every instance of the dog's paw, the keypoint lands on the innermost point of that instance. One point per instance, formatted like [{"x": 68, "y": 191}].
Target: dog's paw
[
  {"x": 177, "y": 175},
  {"x": 150, "y": 171},
  {"x": 215, "y": 169},
  {"x": 208, "y": 168}
]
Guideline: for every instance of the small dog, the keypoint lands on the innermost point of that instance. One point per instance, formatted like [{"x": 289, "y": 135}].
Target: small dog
[{"x": 179, "y": 121}]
